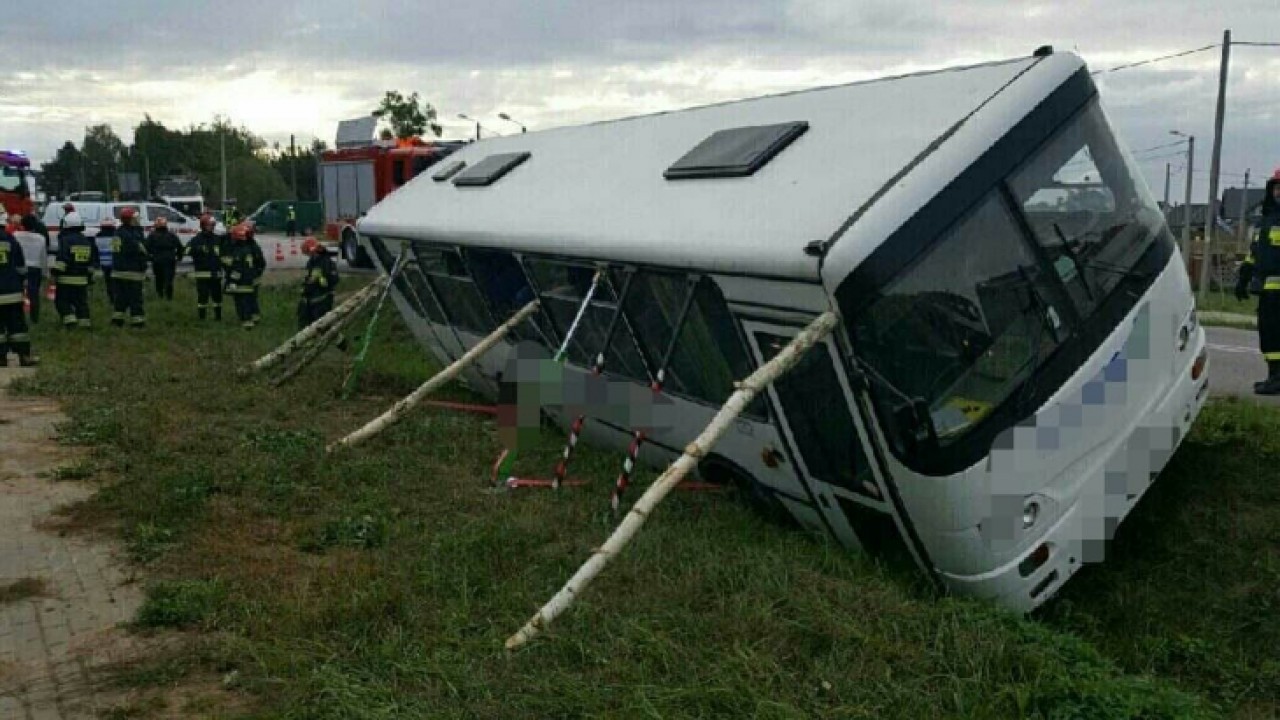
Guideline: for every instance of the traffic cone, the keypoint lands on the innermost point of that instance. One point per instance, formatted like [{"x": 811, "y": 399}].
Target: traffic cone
[
  {"x": 279, "y": 251},
  {"x": 293, "y": 246},
  {"x": 51, "y": 291}
]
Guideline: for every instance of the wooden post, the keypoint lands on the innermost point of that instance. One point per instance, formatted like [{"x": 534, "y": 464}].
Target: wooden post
[
  {"x": 315, "y": 348},
  {"x": 314, "y": 330},
  {"x": 402, "y": 408},
  {"x": 631, "y": 524}
]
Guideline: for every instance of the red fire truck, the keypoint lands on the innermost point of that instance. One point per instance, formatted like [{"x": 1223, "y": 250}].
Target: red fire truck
[
  {"x": 15, "y": 182},
  {"x": 353, "y": 179}
]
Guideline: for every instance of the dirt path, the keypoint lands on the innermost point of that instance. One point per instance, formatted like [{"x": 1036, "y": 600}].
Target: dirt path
[{"x": 66, "y": 594}]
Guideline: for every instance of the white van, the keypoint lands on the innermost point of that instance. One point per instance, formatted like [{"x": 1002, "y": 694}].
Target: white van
[{"x": 184, "y": 226}]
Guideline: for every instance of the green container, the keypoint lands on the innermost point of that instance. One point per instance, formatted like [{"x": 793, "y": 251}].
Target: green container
[{"x": 272, "y": 214}]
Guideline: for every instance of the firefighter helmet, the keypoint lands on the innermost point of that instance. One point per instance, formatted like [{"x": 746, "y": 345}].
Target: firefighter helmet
[
  {"x": 310, "y": 246},
  {"x": 127, "y": 214},
  {"x": 73, "y": 221},
  {"x": 206, "y": 222}
]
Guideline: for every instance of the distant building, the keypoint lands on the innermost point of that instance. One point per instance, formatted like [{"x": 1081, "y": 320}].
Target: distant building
[
  {"x": 1252, "y": 202},
  {"x": 1175, "y": 215}
]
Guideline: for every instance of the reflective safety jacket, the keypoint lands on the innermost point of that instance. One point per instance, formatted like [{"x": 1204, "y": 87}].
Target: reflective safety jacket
[
  {"x": 76, "y": 259},
  {"x": 164, "y": 247},
  {"x": 129, "y": 255},
  {"x": 1264, "y": 256},
  {"x": 104, "y": 240},
  {"x": 321, "y": 278},
  {"x": 245, "y": 264},
  {"x": 207, "y": 251},
  {"x": 13, "y": 270}
]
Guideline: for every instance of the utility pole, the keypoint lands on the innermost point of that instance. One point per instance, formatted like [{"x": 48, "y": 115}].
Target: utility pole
[
  {"x": 1167, "y": 168},
  {"x": 1242, "y": 222},
  {"x": 1186, "y": 205},
  {"x": 146, "y": 168},
  {"x": 222, "y": 151},
  {"x": 1215, "y": 165},
  {"x": 293, "y": 166}
]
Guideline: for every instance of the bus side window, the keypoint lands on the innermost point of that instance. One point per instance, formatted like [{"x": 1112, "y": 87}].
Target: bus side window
[{"x": 709, "y": 353}]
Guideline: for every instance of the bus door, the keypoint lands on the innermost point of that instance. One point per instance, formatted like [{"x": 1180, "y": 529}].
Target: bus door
[{"x": 829, "y": 449}]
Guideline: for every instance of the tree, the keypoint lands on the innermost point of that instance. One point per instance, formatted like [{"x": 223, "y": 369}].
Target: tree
[
  {"x": 307, "y": 160},
  {"x": 250, "y": 180},
  {"x": 408, "y": 116},
  {"x": 103, "y": 151},
  {"x": 61, "y": 175}
]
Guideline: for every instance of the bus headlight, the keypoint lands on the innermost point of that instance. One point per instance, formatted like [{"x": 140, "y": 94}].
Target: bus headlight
[{"x": 1030, "y": 513}]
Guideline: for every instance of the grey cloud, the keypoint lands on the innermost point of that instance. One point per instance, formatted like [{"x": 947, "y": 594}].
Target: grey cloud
[{"x": 620, "y": 57}]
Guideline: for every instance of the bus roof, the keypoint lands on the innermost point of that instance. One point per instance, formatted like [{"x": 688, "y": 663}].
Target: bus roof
[{"x": 598, "y": 191}]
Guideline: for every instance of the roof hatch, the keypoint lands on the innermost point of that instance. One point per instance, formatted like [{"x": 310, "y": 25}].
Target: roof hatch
[
  {"x": 449, "y": 170},
  {"x": 735, "y": 152},
  {"x": 489, "y": 170}
]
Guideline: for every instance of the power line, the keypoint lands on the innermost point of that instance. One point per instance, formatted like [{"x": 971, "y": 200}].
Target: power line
[
  {"x": 1162, "y": 58},
  {"x": 1256, "y": 44},
  {"x": 1160, "y": 147}
]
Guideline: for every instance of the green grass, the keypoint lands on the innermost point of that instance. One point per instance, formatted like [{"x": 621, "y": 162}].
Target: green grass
[
  {"x": 1226, "y": 302},
  {"x": 381, "y": 583}
]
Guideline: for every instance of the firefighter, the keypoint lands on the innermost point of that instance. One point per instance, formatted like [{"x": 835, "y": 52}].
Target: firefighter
[
  {"x": 244, "y": 272},
  {"x": 73, "y": 271},
  {"x": 1260, "y": 275},
  {"x": 105, "y": 238},
  {"x": 165, "y": 250},
  {"x": 13, "y": 279},
  {"x": 291, "y": 222},
  {"x": 207, "y": 250},
  {"x": 129, "y": 260},
  {"x": 318, "y": 283}
]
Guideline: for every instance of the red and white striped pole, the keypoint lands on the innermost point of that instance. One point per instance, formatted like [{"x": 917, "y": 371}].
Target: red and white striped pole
[
  {"x": 637, "y": 438},
  {"x": 597, "y": 367}
]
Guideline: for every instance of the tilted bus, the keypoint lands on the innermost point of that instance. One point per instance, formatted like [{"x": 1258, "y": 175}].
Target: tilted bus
[{"x": 1018, "y": 353}]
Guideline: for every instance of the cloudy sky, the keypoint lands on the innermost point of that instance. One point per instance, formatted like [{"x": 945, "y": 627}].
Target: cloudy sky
[{"x": 283, "y": 66}]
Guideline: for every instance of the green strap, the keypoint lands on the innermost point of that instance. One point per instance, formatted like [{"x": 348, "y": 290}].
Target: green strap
[{"x": 350, "y": 384}]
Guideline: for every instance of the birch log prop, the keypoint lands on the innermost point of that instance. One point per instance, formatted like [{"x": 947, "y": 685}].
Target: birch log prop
[
  {"x": 631, "y": 524},
  {"x": 402, "y": 408},
  {"x": 315, "y": 329},
  {"x": 315, "y": 348}
]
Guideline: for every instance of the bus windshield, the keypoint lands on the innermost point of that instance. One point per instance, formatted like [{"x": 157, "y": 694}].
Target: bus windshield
[{"x": 1040, "y": 262}]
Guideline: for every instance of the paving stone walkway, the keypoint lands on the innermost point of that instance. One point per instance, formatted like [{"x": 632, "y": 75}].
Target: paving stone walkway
[{"x": 51, "y": 646}]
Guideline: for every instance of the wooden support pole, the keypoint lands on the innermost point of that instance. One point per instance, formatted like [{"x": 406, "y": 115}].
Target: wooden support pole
[
  {"x": 402, "y": 408},
  {"x": 315, "y": 348},
  {"x": 315, "y": 329},
  {"x": 631, "y": 524}
]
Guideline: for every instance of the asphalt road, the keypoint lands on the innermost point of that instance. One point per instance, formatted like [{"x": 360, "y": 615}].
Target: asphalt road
[
  {"x": 284, "y": 253},
  {"x": 1235, "y": 364}
]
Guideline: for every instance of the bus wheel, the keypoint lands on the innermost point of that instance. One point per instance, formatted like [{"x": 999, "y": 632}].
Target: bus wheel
[{"x": 718, "y": 470}]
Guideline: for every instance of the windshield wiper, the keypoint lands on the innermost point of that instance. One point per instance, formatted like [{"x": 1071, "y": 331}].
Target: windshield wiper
[{"x": 1070, "y": 252}]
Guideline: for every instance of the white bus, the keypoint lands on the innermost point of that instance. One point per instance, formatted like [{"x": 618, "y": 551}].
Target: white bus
[{"x": 1018, "y": 354}]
